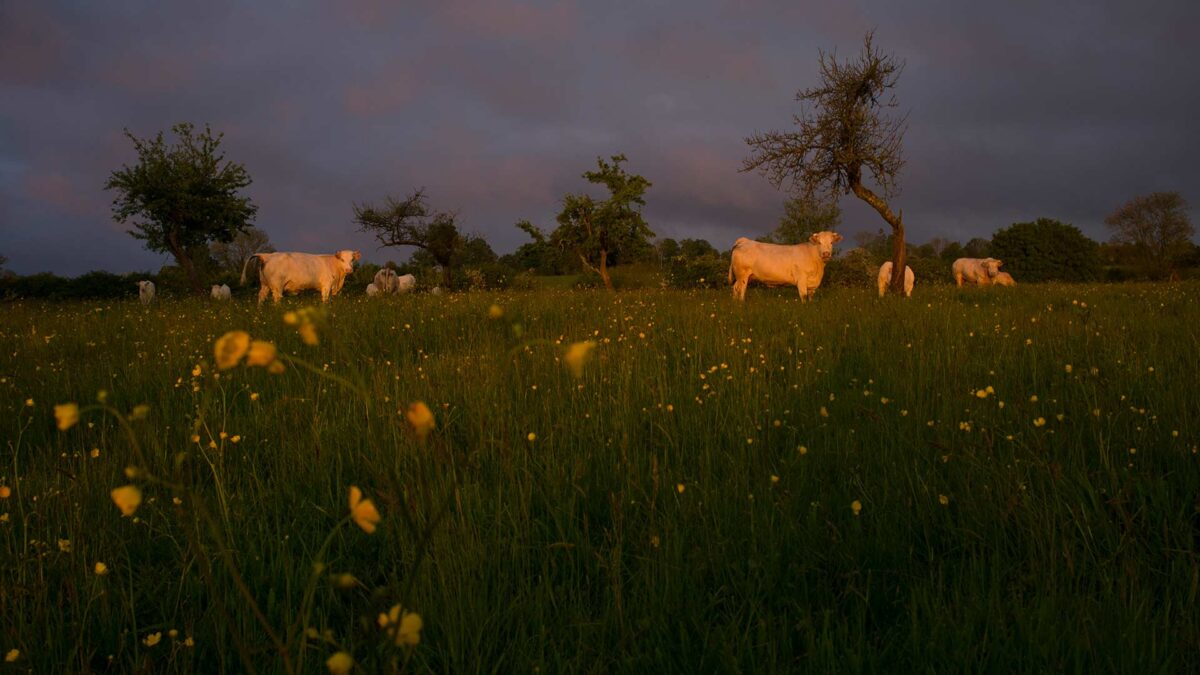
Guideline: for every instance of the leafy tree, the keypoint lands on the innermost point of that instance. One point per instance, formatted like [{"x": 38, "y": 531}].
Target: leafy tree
[
  {"x": 802, "y": 218},
  {"x": 953, "y": 251},
  {"x": 410, "y": 222},
  {"x": 667, "y": 249},
  {"x": 538, "y": 255},
  {"x": 696, "y": 248},
  {"x": 182, "y": 196},
  {"x": 844, "y": 135},
  {"x": 596, "y": 231},
  {"x": 978, "y": 247},
  {"x": 1157, "y": 229},
  {"x": 231, "y": 255},
  {"x": 1046, "y": 250},
  {"x": 476, "y": 251}
]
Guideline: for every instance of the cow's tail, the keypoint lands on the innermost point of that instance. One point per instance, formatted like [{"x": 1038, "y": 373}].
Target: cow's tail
[
  {"x": 735, "y": 245},
  {"x": 252, "y": 256}
]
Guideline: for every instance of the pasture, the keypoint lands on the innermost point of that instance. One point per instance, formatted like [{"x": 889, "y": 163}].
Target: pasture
[{"x": 969, "y": 480}]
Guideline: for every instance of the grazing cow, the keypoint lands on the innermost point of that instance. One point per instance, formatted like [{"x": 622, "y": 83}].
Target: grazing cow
[
  {"x": 221, "y": 292},
  {"x": 385, "y": 280},
  {"x": 373, "y": 290},
  {"x": 405, "y": 283},
  {"x": 1004, "y": 279},
  {"x": 146, "y": 291},
  {"x": 295, "y": 272},
  {"x": 885, "y": 278},
  {"x": 978, "y": 271},
  {"x": 801, "y": 265},
  {"x": 437, "y": 290}
]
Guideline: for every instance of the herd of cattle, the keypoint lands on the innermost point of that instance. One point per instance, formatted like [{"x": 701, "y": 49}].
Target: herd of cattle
[
  {"x": 803, "y": 266},
  {"x": 799, "y": 265}
]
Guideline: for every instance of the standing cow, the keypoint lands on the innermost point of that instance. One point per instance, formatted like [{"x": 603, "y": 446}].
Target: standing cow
[
  {"x": 146, "y": 291},
  {"x": 885, "y": 278},
  {"x": 295, "y": 272},
  {"x": 977, "y": 271},
  {"x": 385, "y": 280},
  {"x": 801, "y": 265}
]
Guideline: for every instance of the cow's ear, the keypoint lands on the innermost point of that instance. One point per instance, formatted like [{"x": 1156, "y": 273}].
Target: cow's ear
[
  {"x": 999, "y": 263},
  {"x": 836, "y": 237},
  {"x": 814, "y": 239}
]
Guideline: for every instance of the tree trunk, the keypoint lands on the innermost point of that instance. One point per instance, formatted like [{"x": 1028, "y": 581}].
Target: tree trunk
[
  {"x": 185, "y": 262},
  {"x": 604, "y": 270},
  {"x": 899, "y": 251},
  {"x": 446, "y": 277}
]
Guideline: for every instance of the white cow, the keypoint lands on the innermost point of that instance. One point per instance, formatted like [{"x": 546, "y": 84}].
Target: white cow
[
  {"x": 405, "y": 283},
  {"x": 885, "y": 278},
  {"x": 373, "y": 290},
  {"x": 1004, "y": 279},
  {"x": 221, "y": 292},
  {"x": 978, "y": 271},
  {"x": 385, "y": 280},
  {"x": 295, "y": 272},
  {"x": 437, "y": 290},
  {"x": 801, "y": 265},
  {"x": 146, "y": 291}
]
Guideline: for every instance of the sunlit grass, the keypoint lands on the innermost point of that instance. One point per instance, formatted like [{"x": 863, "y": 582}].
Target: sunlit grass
[{"x": 654, "y": 481}]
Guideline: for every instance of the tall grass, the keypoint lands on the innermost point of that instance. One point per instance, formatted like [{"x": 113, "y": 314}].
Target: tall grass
[{"x": 683, "y": 506}]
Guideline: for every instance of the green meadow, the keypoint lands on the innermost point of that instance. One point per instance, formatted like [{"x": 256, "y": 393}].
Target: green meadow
[{"x": 975, "y": 480}]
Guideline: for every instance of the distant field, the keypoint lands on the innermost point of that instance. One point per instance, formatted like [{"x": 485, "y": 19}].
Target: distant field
[{"x": 972, "y": 480}]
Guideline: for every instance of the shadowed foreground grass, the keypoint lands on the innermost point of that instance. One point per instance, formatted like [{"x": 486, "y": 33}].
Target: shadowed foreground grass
[{"x": 1001, "y": 480}]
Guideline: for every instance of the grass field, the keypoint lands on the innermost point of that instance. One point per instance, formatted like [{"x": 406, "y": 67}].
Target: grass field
[{"x": 999, "y": 480}]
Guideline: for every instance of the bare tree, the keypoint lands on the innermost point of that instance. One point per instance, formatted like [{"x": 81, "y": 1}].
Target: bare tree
[
  {"x": 1156, "y": 226},
  {"x": 230, "y": 256},
  {"x": 410, "y": 222},
  {"x": 844, "y": 136}
]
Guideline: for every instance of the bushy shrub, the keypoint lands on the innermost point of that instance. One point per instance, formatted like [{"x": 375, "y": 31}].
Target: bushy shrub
[
  {"x": 705, "y": 271},
  {"x": 1046, "y": 250}
]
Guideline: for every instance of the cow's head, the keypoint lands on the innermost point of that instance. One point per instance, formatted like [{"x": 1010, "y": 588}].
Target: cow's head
[
  {"x": 825, "y": 241},
  {"x": 349, "y": 257},
  {"x": 143, "y": 285},
  {"x": 991, "y": 266}
]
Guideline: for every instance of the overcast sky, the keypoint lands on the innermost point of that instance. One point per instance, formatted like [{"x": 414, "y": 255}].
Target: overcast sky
[{"x": 1016, "y": 110}]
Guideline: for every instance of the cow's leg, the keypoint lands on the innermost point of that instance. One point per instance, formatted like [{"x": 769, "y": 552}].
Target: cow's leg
[
  {"x": 262, "y": 293},
  {"x": 803, "y": 291},
  {"x": 277, "y": 294},
  {"x": 739, "y": 288},
  {"x": 958, "y": 278}
]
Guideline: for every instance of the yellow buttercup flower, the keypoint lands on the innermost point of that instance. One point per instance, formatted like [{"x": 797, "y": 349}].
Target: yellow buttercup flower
[
  {"x": 421, "y": 418},
  {"x": 152, "y": 639},
  {"x": 577, "y": 356},
  {"x": 101, "y": 569},
  {"x": 1039, "y": 422},
  {"x": 67, "y": 415},
  {"x": 127, "y": 498},
  {"x": 139, "y": 412},
  {"x": 64, "y": 545},
  {"x": 856, "y": 507},
  {"x": 495, "y": 311},
  {"x": 230, "y": 348},
  {"x": 363, "y": 511},
  {"x": 943, "y": 500},
  {"x": 261, "y": 353},
  {"x": 340, "y": 663},
  {"x": 12, "y": 655},
  {"x": 5, "y": 492},
  {"x": 308, "y": 333},
  {"x": 409, "y": 633}
]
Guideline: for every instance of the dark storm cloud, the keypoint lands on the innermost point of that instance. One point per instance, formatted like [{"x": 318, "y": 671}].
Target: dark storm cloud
[{"x": 496, "y": 108}]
